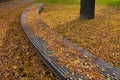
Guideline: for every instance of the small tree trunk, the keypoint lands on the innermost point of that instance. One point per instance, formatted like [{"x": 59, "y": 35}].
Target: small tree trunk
[{"x": 87, "y": 9}]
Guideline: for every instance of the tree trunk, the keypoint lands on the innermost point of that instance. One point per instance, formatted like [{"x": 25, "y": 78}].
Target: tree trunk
[
  {"x": 87, "y": 10},
  {"x": 4, "y": 0}
]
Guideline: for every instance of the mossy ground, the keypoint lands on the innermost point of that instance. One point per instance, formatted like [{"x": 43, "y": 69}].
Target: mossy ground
[{"x": 113, "y": 3}]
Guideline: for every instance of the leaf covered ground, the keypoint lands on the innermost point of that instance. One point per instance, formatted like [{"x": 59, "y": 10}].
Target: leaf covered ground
[
  {"x": 63, "y": 53},
  {"x": 18, "y": 60},
  {"x": 100, "y": 36}
]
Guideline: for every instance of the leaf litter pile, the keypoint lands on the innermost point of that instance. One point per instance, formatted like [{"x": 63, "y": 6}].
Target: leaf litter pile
[
  {"x": 18, "y": 60},
  {"x": 100, "y": 36},
  {"x": 66, "y": 55}
]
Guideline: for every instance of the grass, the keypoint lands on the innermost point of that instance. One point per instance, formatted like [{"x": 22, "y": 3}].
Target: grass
[
  {"x": 59, "y": 1},
  {"x": 113, "y": 3}
]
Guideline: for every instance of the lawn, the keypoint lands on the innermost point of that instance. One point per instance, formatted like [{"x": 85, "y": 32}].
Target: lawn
[
  {"x": 115, "y": 3},
  {"x": 59, "y": 1}
]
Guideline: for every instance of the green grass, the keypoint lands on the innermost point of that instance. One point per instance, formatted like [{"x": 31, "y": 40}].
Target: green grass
[
  {"x": 59, "y": 1},
  {"x": 113, "y": 3}
]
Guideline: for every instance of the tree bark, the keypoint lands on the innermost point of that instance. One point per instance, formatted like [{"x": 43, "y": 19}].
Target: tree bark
[
  {"x": 4, "y": 0},
  {"x": 87, "y": 10}
]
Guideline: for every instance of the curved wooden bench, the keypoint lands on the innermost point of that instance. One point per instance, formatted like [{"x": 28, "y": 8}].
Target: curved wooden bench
[
  {"x": 60, "y": 72},
  {"x": 39, "y": 46}
]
